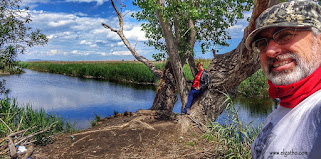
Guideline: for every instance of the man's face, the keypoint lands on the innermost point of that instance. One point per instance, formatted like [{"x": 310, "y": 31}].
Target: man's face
[{"x": 290, "y": 62}]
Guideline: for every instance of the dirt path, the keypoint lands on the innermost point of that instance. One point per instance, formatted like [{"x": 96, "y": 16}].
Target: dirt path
[{"x": 141, "y": 135}]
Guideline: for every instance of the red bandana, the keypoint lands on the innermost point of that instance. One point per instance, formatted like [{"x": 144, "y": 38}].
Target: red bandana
[{"x": 291, "y": 95}]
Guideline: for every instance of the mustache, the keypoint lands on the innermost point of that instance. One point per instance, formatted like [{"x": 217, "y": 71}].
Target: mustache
[{"x": 289, "y": 55}]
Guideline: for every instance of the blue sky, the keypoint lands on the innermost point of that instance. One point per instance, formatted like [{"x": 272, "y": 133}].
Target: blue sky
[{"x": 75, "y": 32}]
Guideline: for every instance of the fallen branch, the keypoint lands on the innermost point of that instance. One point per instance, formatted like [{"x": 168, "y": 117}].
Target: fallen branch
[
  {"x": 12, "y": 148},
  {"x": 37, "y": 133},
  {"x": 104, "y": 129},
  {"x": 12, "y": 145},
  {"x": 133, "y": 121},
  {"x": 79, "y": 140},
  {"x": 21, "y": 131}
]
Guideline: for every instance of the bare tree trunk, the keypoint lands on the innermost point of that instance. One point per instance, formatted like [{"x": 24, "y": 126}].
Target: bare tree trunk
[
  {"x": 173, "y": 56},
  {"x": 166, "y": 96},
  {"x": 191, "y": 39},
  {"x": 166, "y": 93}
]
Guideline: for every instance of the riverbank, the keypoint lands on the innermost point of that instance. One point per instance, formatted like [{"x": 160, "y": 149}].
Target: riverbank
[{"x": 145, "y": 134}]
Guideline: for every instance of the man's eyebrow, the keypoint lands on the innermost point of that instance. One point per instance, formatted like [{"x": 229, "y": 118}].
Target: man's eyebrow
[{"x": 263, "y": 33}]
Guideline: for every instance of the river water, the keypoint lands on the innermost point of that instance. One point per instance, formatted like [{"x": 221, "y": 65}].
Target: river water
[{"x": 80, "y": 99}]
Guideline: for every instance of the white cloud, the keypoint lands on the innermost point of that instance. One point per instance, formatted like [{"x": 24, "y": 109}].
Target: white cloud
[
  {"x": 99, "y": 2},
  {"x": 51, "y": 36},
  {"x": 73, "y": 36},
  {"x": 32, "y": 3},
  {"x": 60, "y": 23},
  {"x": 100, "y": 31},
  {"x": 121, "y": 53},
  {"x": 104, "y": 54},
  {"x": 74, "y": 51},
  {"x": 135, "y": 34},
  {"x": 120, "y": 44},
  {"x": 84, "y": 42},
  {"x": 237, "y": 30},
  {"x": 52, "y": 52}
]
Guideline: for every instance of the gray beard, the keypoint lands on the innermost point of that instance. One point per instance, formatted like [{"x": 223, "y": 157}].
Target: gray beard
[{"x": 302, "y": 69}]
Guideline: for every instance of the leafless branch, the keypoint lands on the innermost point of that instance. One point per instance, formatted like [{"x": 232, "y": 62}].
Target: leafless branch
[
  {"x": 120, "y": 17},
  {"x": 108, "y": 27},
  {"x": 136, "y": 43},
  {"x": 12, "y": 148},
  {"x": 34, "y": 134}
]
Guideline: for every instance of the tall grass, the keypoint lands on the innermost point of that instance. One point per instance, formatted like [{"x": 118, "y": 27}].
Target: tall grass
[
  {"x": 118, "y": 72},
  {"x": 128, "y": 72},
  {"x": 15, "y": 118},
  {"x": 233, "y": 138}
]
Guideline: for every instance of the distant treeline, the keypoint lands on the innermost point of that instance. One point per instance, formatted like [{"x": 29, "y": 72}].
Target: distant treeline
[{"x": 135, "y": 72}]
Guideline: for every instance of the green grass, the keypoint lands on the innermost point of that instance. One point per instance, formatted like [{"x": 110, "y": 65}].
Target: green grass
[
  {"x": 255, "y": 85},
  {"x": 15, "y": 118},
  {"x": 233, "y": 139},
  {"x": 118, "y": 72},
  {"x": 127, "y": 72}
]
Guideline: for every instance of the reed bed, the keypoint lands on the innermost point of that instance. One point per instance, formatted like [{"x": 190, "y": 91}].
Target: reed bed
[
  {"x": 128, "y": 72},
  {"x": 233, "y": 138},
  {"x": 24, "y": 126},
  {"x": 115, "y": 71}
]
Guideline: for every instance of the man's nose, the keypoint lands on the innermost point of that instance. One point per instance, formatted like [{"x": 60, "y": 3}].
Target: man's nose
[{"x": 273, "y": 49}]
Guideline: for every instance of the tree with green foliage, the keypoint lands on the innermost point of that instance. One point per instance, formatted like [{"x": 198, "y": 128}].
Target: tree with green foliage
[
  {"x": 173, "y": 26},
  {"x": 15, "y": 35},
  {"x": 182, "y": 23}
]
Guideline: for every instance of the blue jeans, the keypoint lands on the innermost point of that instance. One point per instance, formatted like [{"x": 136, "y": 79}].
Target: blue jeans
[{"x": 191, "y": 95}]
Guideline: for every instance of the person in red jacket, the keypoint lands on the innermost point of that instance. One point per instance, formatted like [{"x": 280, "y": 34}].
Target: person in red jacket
[{"x": 200, "y": 83}]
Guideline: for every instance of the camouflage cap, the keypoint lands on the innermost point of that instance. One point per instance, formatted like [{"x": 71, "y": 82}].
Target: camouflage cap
[{"x": 289, "y": 14}]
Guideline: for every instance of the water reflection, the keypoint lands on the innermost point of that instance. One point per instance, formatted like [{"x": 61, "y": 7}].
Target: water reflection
[
  {"x": 75, "y": 98},
  {"x": 250, "y": 110},
  {"x": 80, "y": 99},
  {"x": 256, "y": 106}
]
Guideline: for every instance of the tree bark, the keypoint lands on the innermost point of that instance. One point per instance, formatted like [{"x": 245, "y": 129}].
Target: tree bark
[
  {"x": 166, "y": 96},
  {"x": 191, "y": 39},
  {"x": 166, "y": 93},
  {"x": 173, "y": 56}
]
